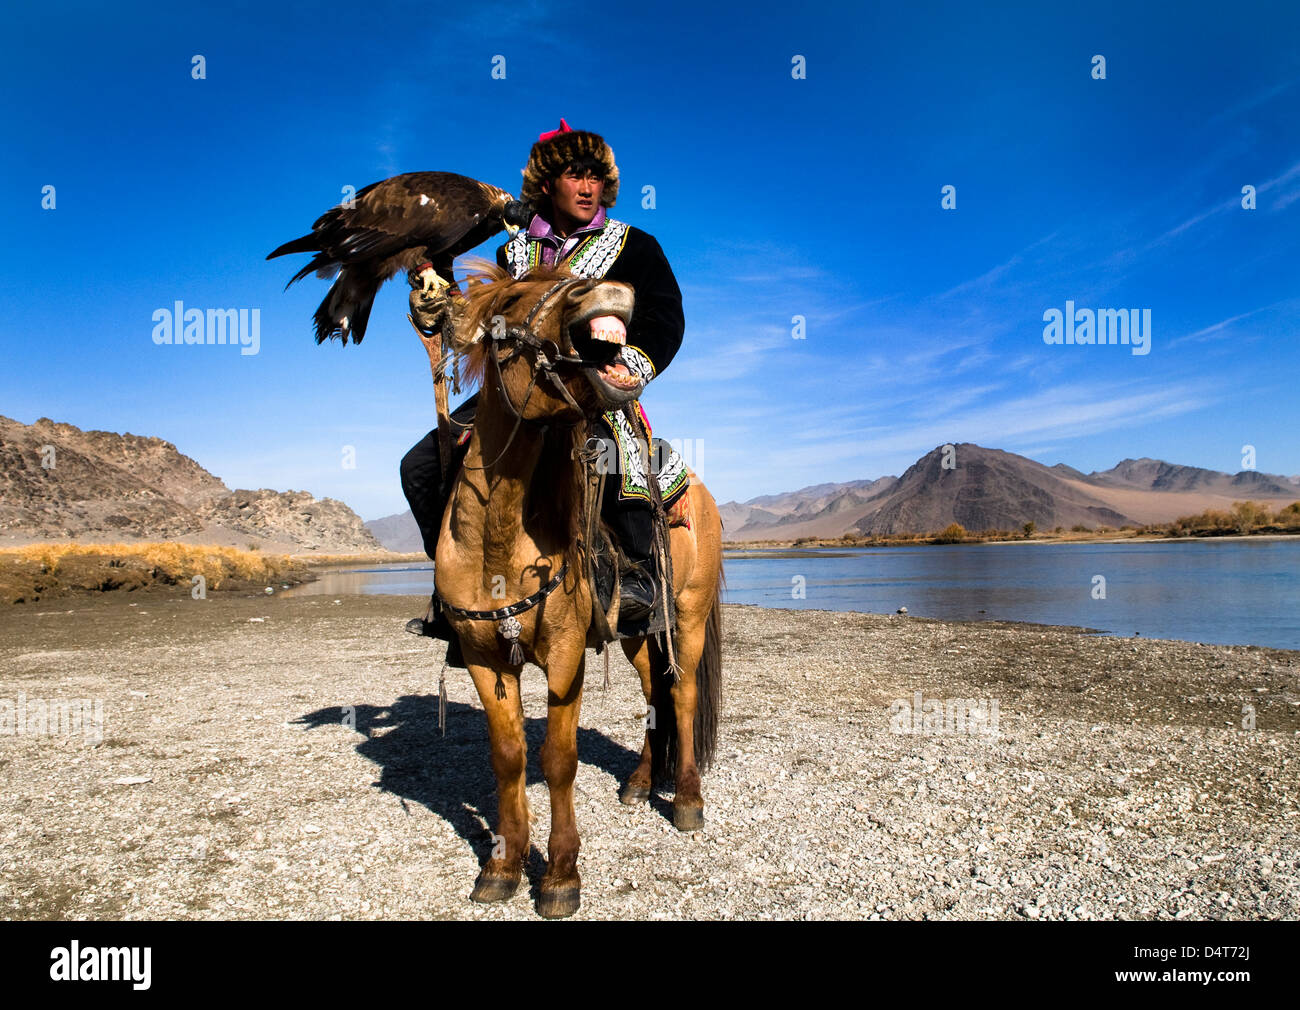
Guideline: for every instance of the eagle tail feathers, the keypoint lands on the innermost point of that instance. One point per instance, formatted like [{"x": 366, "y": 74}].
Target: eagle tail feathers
[
  {"x": 308, "y": 243},
  {"x": 345, "y": 312},
  {"x": 319, "y": 263}
]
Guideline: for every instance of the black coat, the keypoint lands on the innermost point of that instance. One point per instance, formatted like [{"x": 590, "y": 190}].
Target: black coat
[{"x": 657, "y": 320}]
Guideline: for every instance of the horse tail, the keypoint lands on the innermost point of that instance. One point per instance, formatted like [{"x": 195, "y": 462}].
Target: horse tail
[
  {"x": 708, "y": 684},
  {"x": 708, "y": 701}
]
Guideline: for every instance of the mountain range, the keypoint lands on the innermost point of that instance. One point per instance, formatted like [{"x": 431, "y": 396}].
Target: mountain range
[
  {"x": 988, "y": 489},
  {"x": 57, "y": 482},
  {"x": 980, "y": 488}
]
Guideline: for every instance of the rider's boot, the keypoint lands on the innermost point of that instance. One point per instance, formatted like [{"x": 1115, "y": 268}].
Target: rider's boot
[
  {"x": 638, "y": 583},
  {"x": 434, "y": 624},
  {"x": 638, "y": 592}
]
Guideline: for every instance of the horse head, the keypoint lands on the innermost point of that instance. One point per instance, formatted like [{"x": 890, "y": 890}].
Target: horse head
[{"x": 531, "y": 339}]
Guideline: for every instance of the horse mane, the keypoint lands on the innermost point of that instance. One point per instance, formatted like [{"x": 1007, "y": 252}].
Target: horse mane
[{"x": 489, "y": 289}]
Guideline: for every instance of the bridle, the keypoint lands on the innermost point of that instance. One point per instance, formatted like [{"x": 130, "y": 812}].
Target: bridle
[{"x": 548, "y": 357}]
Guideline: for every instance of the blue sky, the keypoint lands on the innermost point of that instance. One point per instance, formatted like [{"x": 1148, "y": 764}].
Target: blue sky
[{"x": 776, "y": 198}]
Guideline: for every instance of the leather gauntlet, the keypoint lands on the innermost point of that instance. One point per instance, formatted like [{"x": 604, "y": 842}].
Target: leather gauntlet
[{"x": 429, "y": 304}]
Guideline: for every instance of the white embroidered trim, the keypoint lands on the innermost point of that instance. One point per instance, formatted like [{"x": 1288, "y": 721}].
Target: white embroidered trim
[
  {"x": 594, "y": 261},
  {"x": 598, "y": 257},
  {"x": 517, "y": 255},
  {"x": 630, "y": 454},
  {"x": 639, "y": 363},
  {"x": 633, "y": 456},
  {"x": 673, "y": 470}
]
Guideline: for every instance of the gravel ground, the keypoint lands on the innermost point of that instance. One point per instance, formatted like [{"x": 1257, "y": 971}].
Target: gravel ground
[{"x": 1121, "y": 783}]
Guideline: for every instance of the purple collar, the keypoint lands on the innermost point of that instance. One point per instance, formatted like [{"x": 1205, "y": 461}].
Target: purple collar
[{"x": 540, "y": 230}]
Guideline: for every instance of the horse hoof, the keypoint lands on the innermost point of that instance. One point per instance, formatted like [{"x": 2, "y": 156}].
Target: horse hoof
[
  {"x": 688, "y": 818},
  {"x": 490, "y": 889},
  {"x": 633, "y": 794},
  {"x": 559, "y": 903}
]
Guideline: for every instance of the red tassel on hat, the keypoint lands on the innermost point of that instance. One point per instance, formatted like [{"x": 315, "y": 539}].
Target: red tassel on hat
[{"x": 564, "y": 128}]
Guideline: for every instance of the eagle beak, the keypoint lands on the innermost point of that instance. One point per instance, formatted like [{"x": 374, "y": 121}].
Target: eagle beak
[{"x": 512, "y": 229}]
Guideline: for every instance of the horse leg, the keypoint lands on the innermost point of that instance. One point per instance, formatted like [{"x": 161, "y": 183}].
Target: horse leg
[
  {"x": 688, "y": 803},
  {"x": 637, "y": 787},
  {"x": 560, "y": 886},
  {"x": 500, "y": 875}
]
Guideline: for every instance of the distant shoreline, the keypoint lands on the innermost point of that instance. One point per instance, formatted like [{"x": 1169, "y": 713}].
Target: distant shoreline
[{"x": 819, "y": 544}]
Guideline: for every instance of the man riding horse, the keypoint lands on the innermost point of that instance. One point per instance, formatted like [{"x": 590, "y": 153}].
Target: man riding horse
[
  {"x": 561, "y": 336},
  {"x": 570, "y": 180}
]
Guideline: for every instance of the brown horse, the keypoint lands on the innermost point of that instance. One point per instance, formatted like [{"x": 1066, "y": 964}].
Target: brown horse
[{"x": 512, "y": 533}]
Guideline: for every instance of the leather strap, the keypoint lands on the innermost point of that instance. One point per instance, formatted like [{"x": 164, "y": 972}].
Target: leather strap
[{"x": 515, "y": 608}]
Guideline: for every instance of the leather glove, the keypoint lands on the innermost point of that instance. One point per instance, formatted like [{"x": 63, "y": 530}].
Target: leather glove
[{"x": 429, "y": 301}]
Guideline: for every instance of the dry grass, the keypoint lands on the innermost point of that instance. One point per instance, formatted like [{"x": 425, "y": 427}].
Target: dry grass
[
  {"x": 317, "y": 559},
  {"x": 167, "y": 562}
]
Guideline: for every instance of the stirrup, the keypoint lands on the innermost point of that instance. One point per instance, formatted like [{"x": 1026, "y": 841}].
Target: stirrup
[
  {"x": 638, "y": 594},
  {"x": 433, "y": 624}
]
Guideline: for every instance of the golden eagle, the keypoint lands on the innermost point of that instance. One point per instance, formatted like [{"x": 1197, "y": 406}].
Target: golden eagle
[{"x": 397, "y": 224}]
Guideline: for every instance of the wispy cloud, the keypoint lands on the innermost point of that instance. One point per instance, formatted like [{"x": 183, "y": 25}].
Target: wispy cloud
[
  {"x": 1220, "y": 330},
  {"x": 1292, "y": 174},
  {"x": 1254, "y": 101},
  {"x": 987, "y": 279},
  {"x": 1233, "y": 203}
]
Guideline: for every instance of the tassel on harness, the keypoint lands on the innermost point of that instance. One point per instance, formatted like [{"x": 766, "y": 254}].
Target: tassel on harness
[
  {"x": 509, "y": 629},
  {"x": 442, "y": 699}
]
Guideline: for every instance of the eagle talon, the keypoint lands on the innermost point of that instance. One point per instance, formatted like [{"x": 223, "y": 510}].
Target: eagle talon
[{"x": 432, "y": 284}]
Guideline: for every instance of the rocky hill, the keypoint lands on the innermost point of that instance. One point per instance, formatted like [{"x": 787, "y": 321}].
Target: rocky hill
[
  {"x": 59, "y": 482},
  {"x": 1156, "y": 475},
  {"x": 983, "y": 489},
  {"x": 794, "y": 507}
]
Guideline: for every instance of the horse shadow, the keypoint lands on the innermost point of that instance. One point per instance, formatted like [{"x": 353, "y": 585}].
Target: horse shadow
[{"x": 452, "y": 775}]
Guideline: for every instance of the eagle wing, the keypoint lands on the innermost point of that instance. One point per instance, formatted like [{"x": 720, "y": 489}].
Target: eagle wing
[{"x": 393, "y": 225}]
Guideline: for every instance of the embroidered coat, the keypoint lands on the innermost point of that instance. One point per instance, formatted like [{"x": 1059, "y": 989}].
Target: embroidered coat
[{"x": 616, "y": 251}]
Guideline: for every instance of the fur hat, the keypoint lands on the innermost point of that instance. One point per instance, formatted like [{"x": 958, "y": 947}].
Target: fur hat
[{"x": 556, "y": 150}]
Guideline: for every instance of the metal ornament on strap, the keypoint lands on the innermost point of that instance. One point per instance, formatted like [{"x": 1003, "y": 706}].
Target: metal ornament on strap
[{"x": 507, "y": 626}]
